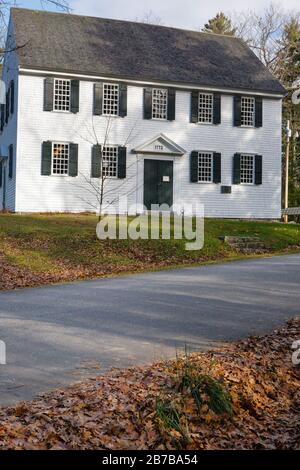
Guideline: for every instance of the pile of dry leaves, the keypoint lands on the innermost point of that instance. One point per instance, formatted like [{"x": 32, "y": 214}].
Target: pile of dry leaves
[{"x": 243, "y": 396}]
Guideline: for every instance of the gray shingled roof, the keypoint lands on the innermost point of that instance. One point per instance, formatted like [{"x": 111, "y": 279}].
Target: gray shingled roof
[{"x": 122, "y": 49}]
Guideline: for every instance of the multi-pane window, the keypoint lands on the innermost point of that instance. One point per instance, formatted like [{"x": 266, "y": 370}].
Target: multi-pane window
[
  {"x": 159, "y": 103},
  {"x": 205, "y": 167},
  {"x": 247, "y": 111},
  {"x": 247, "y": 169},
  {"x": 205, "y": 110},
  {"x": 109, "y": 161},
  {"x": 62, "y": 95},
  {"x": 110, "y": 99},
  {"x": 60, "y": 158}
]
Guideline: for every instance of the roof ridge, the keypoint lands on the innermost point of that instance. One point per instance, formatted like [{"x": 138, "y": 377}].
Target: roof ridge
[{"x": 125, "y": 21}]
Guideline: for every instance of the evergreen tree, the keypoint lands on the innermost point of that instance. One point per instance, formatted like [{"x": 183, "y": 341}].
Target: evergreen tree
[{"x": 220, "y": 24}]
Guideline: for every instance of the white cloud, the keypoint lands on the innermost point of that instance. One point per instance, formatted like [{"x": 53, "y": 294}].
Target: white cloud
[{"x": 182, "y": 13}]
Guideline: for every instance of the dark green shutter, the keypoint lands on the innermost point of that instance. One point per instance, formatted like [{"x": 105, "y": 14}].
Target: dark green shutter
[
  {"x": 217, "y": 108},
  {"x": 2, "y": 118},
  {"x": 1, "y": 177},
  {"x": 147, "y": 103},
  {"x": 12, "y": 96},
  {"x": 122, "y": 152},
  {"x": 48, "y": 93},
  {"x": 258, "y": 112},
  {"x": 237, "y": 168},
  {"x": 217, "y": 168},
  {"x": 258, "y": 169},
  {"x": 195, "y": 106},
  {"x": 194, "y": 167},
  {"x": 10, "y": 161},
  {"x": 73, "y": 160},
  {"x": 46, "y": 158},
  {"x": 98, "y": 99},
  {"x": 7, "y": 106},
  {"x": 171, "y": 104},
  {"x": 96, "y": 161},
  {"x": 122, "y": 100},
  {"x": 74, "y": 96},
  {"x": 237, "y": 110}
]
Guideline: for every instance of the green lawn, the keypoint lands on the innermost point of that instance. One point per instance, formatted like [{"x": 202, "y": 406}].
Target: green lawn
[{"x": 39, "y": 249}]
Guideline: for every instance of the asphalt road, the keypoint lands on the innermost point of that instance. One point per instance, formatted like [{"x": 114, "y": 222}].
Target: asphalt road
[{"x": 60, "y": 334}]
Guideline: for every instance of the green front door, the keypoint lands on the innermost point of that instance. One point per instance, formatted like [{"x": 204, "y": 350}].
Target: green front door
[{"x": 158, "y": 183}]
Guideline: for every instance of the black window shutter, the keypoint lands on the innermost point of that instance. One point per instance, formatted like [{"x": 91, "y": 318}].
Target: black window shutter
[
  {"x": 217, "y": 168},
  {"x": 1, "y": 177},
  {"x": 10, "y": 161},
  {"x": 48, "y": 93},
  {"x": 96, "y": 161},
  {"x": 147, "y": 103},
  {"x": 7, "y": 106},
  {"x": 258, "y": 112},
  {"x": 195, "y": 106},
  {"x": 122, "y": 100},
  {"x": 237, "y": 110},
  {"x": 171, "y": 104},
  {"x": 46, "y": 158},
  {"x": 73, "y": 160},
  {"x": 217, "y": 108},
  {"x": 258, "y": 169},
  {"x": 12, "y": 96},
  {"x": 122, "y": 152},
  {"x": 98, "y": 99},
  {"x": 194, "y": 167},
  {"x": 74, "y": 96},
  {"x": 237, "y": 168}
]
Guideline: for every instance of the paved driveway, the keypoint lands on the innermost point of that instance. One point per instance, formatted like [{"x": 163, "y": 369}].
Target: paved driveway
[{"x": 59, "y": 334}]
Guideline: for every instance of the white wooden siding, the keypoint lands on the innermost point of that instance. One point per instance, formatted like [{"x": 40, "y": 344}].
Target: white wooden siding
[{"x": 36, "y": 193}]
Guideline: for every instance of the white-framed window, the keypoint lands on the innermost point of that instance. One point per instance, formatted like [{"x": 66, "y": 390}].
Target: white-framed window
[
  {"x": 205, "y": 109},
  {"x": 247, "y": 111},
  {"x": 247, "y": 169},
  {"x": 62, "y": 94},
  {"x": 205, "y": 167},
  {"x": 110, "y": 106},
  {"x": 160, "y": 103},
  {"x": 110, "y": 161},
  {"x": 60, "y": 158}
]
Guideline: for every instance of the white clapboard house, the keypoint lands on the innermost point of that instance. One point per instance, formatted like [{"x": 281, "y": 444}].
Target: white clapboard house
[{"x": 180, "y": 117}]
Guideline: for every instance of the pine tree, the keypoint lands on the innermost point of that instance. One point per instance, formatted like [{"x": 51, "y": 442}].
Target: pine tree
[{"x": 220, "y": 24}]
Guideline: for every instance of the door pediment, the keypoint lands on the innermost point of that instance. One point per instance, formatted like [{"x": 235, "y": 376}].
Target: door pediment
[{"x": 160, "y": 145}]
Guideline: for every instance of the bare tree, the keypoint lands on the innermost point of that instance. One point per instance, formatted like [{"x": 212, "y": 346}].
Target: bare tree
[
  {"x": 263, "y": 32},
  {"x": 98, "y": 188},
  {"x": 150, "y": 17}
]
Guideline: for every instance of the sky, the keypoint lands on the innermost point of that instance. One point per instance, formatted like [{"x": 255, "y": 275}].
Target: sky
[{"x": 191, "y": 14}]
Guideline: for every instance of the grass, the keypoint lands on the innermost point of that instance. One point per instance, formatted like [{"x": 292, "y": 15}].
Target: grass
[{"x": 65, "y": 247}]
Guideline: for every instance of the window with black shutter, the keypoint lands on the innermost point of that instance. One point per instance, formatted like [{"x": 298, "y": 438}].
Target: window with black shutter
[
  {"x": 205, "y": 167},
  {"x": 205, "y": 107}
]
